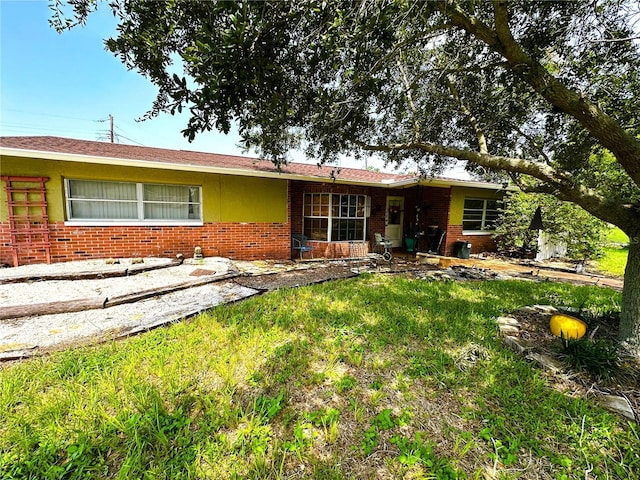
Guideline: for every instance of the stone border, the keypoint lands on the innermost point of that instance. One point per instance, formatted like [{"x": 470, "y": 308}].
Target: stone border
[{"x": 509, "y": 329}]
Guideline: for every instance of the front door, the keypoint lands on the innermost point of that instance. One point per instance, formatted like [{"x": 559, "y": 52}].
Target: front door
[{"x": 394, "y": 220}]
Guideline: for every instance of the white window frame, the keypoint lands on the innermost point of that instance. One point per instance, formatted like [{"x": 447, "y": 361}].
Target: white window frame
[
  {"x": 140, "y": 221},
  {"x": 483, "y": 230},
  {"x": 330, "y": 217}
]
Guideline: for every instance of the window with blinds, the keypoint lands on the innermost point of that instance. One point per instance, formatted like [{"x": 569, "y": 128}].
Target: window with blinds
[
  {"x": 480, "y": 214},
  {"x": 101, "y": 201}
]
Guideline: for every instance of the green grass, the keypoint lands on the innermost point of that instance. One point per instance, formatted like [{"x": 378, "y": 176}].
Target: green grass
[
  {"x": 616, "y": 251},
  {"x": 614, "y": 261},
  {"x": 361, "y": 378},
  {"x": 617, "y": 236}
]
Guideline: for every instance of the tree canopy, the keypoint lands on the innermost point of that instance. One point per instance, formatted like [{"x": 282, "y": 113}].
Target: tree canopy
[{"x": 544, "y": 92}]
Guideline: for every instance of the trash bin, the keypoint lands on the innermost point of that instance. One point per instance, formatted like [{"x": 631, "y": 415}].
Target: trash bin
[{"x": 462, "y": 249}]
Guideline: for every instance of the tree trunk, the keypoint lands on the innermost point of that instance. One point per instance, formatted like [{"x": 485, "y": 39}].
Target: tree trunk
[{"x": 630, "y": 318}]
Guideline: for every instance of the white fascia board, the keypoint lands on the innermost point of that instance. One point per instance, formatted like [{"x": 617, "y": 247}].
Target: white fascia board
[
  {"x": 114, "y": 161},
  {"x": 437, "y": 182}
]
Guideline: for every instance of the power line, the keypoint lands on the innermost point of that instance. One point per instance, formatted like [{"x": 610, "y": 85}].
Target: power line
[
  {"x": 35, "y": 128},
  {"x": 127, "y": 138},
  {"x": 131, "y": 140},
  {"x": 45, "y": 114},
  {"x": 110, "y": 120}
]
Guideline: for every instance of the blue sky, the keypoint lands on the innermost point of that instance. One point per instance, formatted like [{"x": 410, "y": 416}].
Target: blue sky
[
  {"x": 64, "y": 84},
  {"x": 68, "y": 84}
]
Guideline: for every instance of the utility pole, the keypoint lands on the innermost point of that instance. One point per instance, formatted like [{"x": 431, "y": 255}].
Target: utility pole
[{"x": 109, "y": 135}]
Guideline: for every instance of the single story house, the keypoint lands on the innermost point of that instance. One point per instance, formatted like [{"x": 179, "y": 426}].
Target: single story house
[{"x": 69, "y": 199}]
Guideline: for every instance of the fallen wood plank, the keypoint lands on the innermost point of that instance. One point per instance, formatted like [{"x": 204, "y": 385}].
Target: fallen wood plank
[
  {"x": 67, "y": 306},
  {"x": 121, "y": 272},
  {"x": 79, "y": 305},
  {"x": 153, "y": 292},
  {"x": 140, "y": 268},
  {"x": 91, "y": 274}
]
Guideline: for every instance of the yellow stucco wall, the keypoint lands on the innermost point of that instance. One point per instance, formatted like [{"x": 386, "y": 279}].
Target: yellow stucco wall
[
  {"x": 252, "y": 199},
  {"x": 458, "y": 194},
  {"x": 225, "y": 198}
]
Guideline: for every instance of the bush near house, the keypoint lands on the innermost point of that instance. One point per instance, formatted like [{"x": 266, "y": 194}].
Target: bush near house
[{"x": 564, "y": 222}]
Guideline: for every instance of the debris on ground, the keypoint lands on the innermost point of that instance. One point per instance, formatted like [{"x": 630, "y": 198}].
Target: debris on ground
[{"x": 123, "y": 296}]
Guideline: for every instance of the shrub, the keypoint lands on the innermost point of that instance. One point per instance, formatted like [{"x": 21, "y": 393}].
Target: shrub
[
  {"x": 596, "y": 357},
  {"x": 564, "y": 222}
]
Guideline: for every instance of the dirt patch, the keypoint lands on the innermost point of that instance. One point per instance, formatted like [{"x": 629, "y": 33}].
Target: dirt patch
[{"x": 297, "y": 278}]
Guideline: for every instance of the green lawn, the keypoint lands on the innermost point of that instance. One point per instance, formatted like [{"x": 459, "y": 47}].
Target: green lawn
[
  {"x": 373, "y": 377},
  {"x": 616, "y": 251},
  {"x": 614, "y": 261},
  {"x": 617, "y": 236}
]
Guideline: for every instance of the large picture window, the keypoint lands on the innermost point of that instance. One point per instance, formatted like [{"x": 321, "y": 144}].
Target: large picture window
[
  {"x": 99, "y": 201},
  {"x": 480, "y": 214},
  {"x": 335, "y": 217}
]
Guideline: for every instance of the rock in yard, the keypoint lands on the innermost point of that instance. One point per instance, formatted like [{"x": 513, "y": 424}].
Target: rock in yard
[
  {"x": 518, "y": 345},
  {"x": 509, "y": 330},
  {"x": 547, "y": 362},
  {"x": 546, "y": 309},
  {"x": 549, "y": 309},
  {"x": 618, "y": 405},
  {"x": 508, "y": 321}
]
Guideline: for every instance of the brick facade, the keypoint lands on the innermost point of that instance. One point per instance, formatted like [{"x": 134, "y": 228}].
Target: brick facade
[
  {"x": 427, "y": 210},
  {"x": 252, "y": 241},
  {"x": 479, "y": 243},
  {"x": 339, "y": 249},
  {"x": 241, "y": 241},
  {"x": 432, "y": 205}
]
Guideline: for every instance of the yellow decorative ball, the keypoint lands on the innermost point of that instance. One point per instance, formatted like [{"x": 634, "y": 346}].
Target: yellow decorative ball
[{"x": 566, "y": 326}]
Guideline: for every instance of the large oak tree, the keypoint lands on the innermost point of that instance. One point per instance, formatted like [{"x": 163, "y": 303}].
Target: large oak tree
[{"x": 545, "y": 92}]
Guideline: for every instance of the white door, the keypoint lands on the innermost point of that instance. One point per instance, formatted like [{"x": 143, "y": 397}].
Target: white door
[{"x": 394, "y": 220}]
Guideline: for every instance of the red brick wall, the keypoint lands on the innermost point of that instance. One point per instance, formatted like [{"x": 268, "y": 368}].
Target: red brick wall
[
  {"x": 434, "y": 207},
  {"x": 240, "y": 241},
  {"x": 479, "y": 243},
  {"x": 323, "y": 249},
  {"x": 434, "y": 210}
]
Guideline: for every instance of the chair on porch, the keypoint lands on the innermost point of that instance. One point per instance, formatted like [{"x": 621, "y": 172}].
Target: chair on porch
[
  {"x": 383, "y": 246},
  {"x": 299, "y": 242}
]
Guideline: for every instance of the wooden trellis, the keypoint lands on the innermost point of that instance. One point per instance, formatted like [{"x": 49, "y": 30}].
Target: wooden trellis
[{"x": 28, "y": 219}]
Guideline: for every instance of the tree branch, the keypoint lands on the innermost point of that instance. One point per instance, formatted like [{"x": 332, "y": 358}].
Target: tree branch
[
  {"x": 559, "y": 185},
  {"x": 605, "y": 129},
  {"x": 482, "y": 141},
  {"x": 413, "y": 40},
  {"x": 412, "y": 105}
]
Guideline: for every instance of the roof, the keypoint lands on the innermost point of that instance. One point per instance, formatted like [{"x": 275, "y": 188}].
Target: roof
[{"x": 67, "y": 149}]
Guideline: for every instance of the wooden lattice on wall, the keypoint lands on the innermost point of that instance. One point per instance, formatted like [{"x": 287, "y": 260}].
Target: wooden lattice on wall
[{"x": 28, "y": 219}]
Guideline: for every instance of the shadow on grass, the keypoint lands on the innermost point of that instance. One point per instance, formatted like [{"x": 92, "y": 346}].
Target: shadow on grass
[{"x": 297, "y": 380}]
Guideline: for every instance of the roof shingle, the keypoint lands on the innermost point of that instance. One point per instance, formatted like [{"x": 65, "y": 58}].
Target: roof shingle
[
  {"x": 103, "y": 152},
  {"x": 186, "y": 158}
]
